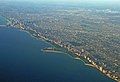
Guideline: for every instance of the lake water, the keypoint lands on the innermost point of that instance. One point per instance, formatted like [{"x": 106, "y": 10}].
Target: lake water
[{"x": 21, "y": 60}]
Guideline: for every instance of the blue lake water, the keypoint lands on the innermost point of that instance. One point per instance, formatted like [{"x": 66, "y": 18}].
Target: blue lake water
[{"x": 21, "y": 60}]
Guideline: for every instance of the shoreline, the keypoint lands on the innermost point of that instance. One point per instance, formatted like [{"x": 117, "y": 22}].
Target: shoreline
[
  {"x": 78, "y": 57},
  {"x": 91, "y": 65}
]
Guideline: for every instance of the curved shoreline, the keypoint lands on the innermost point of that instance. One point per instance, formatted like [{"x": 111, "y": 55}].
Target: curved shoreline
[{"x": 91, "y": 65}]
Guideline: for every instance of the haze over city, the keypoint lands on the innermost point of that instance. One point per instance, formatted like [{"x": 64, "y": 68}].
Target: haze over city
[{"x": 60, "y": 40}]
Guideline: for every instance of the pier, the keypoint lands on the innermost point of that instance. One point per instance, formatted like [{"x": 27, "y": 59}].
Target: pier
[{"x": 2, "y": 25}]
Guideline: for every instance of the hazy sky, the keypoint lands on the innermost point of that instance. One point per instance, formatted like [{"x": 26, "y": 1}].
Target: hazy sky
[
  {"x": 68, "y": 0},
  {"x": 75, "y": 1}
]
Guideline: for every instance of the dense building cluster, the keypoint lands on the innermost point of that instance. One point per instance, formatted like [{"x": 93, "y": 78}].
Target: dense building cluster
[{"x": 94, "y": 31}]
